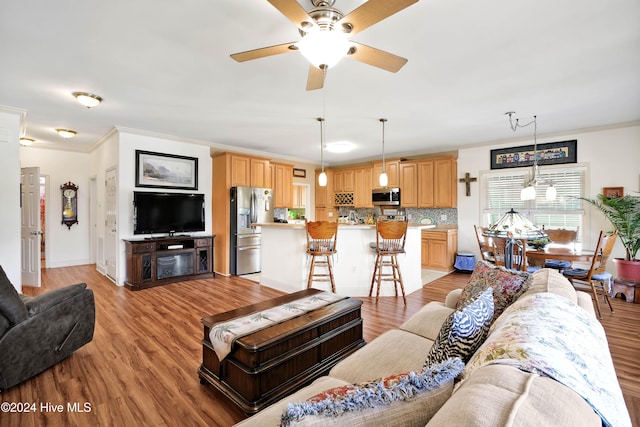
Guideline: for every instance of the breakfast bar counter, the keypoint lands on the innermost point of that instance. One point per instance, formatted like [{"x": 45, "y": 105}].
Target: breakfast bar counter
[{"x": 285, "y": 263}]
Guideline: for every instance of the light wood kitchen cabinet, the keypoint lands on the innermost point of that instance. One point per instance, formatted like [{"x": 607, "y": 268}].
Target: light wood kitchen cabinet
[
  {"x": 282, "y": 185},
  {"x": 249, "y": 171},
  {"x": 445, "y": 186},
  {"x": 343, "y": 181},
  {"x": 409, "y": 184},
  {"x": 393, "y": 172},
  {"x": 260, "y": 172},
  {"x": 363, "y": 188},
  {"x": 439, "y": 249},
  {"x": 240, "y": 171},
  {"x": 299, "y": 196},
  {"x": 425, "y": 184},
  {"x": 436, "y": 183}
]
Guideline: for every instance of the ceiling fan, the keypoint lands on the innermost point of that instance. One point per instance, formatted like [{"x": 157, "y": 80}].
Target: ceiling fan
[{"x": 325, "y": 36}]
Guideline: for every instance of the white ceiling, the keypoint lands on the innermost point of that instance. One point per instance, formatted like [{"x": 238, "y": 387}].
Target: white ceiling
[{"x": 164, "y": 67}]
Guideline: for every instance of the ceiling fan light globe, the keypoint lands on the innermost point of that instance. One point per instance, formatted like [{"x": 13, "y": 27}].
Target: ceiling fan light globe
[
  {"x": 324, "y": 48},
  {"x": 322, "y": 179}
]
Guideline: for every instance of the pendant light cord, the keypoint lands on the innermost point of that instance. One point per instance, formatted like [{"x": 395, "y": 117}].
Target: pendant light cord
[
  {"x": 383, "y": 122},
  {"x": 515, "y": 126}
]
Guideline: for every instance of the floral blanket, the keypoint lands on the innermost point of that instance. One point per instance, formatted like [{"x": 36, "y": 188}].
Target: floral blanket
[
  {"x": 223, "y": 335},
  {"x": 549, "y": 335}
]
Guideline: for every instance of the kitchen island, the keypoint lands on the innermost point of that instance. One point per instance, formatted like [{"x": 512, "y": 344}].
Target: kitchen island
[{"x": 285, "y": 263}]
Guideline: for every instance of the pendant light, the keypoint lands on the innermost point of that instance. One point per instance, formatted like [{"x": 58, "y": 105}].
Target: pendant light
[
  {"x": 529, "y": 190},
  {"x": 384, "y": 179},
  {"x": 322, "y": 178}
]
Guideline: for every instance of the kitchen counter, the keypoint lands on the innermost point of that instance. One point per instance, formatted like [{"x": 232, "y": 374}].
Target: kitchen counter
[{"x": 285, "y": 264}]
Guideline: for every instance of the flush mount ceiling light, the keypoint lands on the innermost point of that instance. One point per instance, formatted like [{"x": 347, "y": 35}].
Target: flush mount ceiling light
[
  {"x": 66, "y": 133},
  {"x": 529, "y": 190},
  {"x": 26, "y": 141},
  {"x": 87, "y": 99},
  {"x": 339, "y": 147}
]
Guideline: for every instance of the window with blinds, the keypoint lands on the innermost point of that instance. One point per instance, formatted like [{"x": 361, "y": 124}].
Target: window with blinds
[{"x": 500, "y": 191}]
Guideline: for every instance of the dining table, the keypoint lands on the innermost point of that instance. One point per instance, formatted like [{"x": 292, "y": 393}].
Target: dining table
[{"x": 537, "y": 257}]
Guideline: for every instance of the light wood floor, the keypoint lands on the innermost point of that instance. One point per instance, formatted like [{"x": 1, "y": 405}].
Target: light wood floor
[{"x": 141, "y": 367}]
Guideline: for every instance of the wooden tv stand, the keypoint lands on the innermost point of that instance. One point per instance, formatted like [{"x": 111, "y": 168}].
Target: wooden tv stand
[{"x": 159, "y": 261}]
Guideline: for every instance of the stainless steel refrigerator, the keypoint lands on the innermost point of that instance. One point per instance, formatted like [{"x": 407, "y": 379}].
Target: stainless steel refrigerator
[{"x": 249, "y": 205}]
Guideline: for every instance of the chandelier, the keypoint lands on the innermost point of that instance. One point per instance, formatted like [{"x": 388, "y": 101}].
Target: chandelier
[{"x": 529, "y": 190}]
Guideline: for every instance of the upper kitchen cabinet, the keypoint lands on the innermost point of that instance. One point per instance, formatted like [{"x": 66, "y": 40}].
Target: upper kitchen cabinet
[
  {"x": 363, "y": 187},
  {"x": 260, "y": 173},
  {"x": 282, "y": 185},
  {"x": 425, "y": 184},
  {"x": 445, "y": 187},
  {"x": 436, "y": 183},
  {"x": 343, "y": 181},
  {"x": 409, "y": 184},
  {"x": 249, "y": 171},
  {"x": 299, "y": 199},
  {"x": 393, "y": 172}
]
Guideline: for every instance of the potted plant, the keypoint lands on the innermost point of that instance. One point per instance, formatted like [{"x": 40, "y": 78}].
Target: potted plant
[{"x": 624, "y": 215}]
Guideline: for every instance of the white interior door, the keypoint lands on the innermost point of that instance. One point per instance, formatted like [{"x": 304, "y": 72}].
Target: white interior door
[
  {"x": 111, "y": 247},
  {"x": 30, "y": 226}
]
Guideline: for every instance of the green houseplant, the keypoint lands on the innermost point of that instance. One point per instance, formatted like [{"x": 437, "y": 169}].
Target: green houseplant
[{"x": 624, "y": 215}]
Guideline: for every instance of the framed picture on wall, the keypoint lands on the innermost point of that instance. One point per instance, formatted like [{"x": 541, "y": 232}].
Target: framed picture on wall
[
  {"x": 166, "y": 171},
  {"x": 613, "y": 192},
  {"x": 553, "y": 153}
]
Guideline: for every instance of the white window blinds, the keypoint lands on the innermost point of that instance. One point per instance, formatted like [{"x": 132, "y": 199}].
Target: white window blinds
[{"x": 500, "y": 191}]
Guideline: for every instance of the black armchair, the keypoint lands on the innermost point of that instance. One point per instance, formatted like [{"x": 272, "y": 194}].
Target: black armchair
[{"x": 38, "y": 332}]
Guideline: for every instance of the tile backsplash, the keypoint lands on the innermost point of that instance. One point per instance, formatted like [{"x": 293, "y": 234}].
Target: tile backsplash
[{"x": 440, "y": 215}]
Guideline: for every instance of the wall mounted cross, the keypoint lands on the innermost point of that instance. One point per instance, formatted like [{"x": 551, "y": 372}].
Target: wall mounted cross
[{"x": 468, "y": 180}]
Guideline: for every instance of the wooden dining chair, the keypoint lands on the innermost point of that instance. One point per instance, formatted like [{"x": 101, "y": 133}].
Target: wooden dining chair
[
  {"x": 485, "y": 244},
  {"x": 322, "y": 239},
  {"x": 519, "y": 255},
  {"x": 390, "y": 240},
  {"x": 596, "y": 274},
  {"x": 561, "y": 236}
]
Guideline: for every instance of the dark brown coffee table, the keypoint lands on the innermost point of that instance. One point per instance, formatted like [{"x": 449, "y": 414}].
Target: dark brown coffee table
[{"x": 269, "y": 364}]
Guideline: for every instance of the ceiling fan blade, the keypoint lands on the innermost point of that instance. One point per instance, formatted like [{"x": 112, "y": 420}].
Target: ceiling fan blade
[
  {"x": 372, "y": 12},
  {"x": 376, "y": 57},
  {"x": 316, "y": 78},
  {"x": 263, "y": 52},
  {"x": 294, "y": 12}
]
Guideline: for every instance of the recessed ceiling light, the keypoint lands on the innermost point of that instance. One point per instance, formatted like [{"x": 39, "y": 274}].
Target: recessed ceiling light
[
  {"x": 339, "y": 147},
  {"x": 26, "y": 141},
  {"x": 66, "y": 133},
  {"x": 87, "y": 99}
]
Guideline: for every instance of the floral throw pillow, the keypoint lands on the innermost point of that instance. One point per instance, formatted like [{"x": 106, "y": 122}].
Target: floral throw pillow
[
  {"x": 464, "y": 331},
  {"x": 507, "y": 285}
]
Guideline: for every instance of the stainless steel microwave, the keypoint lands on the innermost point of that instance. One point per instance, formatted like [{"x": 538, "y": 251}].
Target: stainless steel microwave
[{"x": 386, "y": 196}]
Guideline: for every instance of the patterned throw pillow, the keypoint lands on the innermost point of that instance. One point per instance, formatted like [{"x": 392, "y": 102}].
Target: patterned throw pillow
[
  {"x": 507, "y": 285},
  {"x": 410, "y": 398},
  {"x": 464, "y": 331}
]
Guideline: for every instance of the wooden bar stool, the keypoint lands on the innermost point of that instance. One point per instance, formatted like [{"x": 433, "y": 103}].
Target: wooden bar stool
[
  {"x": 322, "y": 238},
  {"x": 390, "y": 239}
]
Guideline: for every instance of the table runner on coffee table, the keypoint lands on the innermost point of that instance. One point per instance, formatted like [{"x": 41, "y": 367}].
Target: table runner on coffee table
[{"x": 223, "y": 335}]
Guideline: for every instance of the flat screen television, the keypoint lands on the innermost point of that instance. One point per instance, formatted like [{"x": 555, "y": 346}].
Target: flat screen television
[{"x": 167, "y": 212}]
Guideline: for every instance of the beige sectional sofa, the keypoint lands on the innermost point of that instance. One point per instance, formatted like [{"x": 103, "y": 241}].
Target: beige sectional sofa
[{"x": 491, "y": 395}]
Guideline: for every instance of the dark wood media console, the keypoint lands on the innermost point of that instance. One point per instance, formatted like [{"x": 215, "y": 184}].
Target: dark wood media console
[
  {"x": 158, "y": 261},
  {"x": 271, "y": 363}
]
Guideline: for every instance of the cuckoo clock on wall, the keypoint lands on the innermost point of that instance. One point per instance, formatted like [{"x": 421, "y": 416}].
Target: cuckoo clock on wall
[{"x": 69, "y": 204}]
